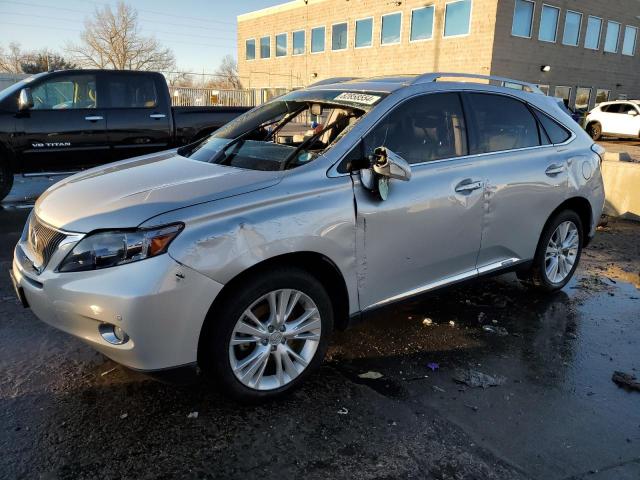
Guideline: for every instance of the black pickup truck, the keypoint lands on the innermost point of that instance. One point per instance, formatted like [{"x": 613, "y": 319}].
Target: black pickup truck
[{"x": 69, "y": 120}]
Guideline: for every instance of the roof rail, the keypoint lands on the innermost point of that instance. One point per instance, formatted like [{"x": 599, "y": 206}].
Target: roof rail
[
  {"x": 434, "y": 77},
  {"x": 330, "y": 81}
]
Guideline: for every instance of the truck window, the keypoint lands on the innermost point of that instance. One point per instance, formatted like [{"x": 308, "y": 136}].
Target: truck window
[
  {"x": 65, "y": 93},
  {"x": 132, "y": 91}
]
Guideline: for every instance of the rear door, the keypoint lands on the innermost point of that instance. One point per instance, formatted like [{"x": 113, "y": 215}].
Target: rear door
[
  {"x": 427, "y": 233},
  {"x": 629, "y": 124},
  {"x": 66, "y": 128},
  {"x": 526, "y": 176},
  {"x": 138, "y": 116}
]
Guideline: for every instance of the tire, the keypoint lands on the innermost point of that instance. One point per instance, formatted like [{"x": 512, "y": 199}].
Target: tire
[
  {"x": 6, "y": 180},
  {"x": 594, "y": 130},
  {"x": 273, "y": 344},
  {"x": 541, "y": 273}
]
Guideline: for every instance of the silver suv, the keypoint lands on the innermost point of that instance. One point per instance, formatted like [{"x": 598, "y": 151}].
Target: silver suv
[{"x": 243, "y": 252}]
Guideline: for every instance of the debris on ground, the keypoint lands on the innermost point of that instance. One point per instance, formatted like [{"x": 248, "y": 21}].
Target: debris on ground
[
  {"x": 481, "y": 316},
  {"x": 108, "y": 371},
  {"x": 472, "y": 407},
  {"x": 193, "y": 415},
  {"x": 371, "y": 375},
  {"x": 452, "y": 323},
  {"x": 427, "y": 321},
  {"x": 626, "y": 381},
  {"x": 123, "y": 416},
  {"x": 343, "y": 411},
  {"x": 474, "y": 378},
  {"x": 433, "y": 366},
  {"x": 438, "y": 389},
  {"x": 500, "y": 331}
]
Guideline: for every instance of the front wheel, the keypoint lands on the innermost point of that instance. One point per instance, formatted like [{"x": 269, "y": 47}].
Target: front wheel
[
  {"x": 558, "y": 253},
  {"x": 269, "y": 335},
  {"x": 6, "y": 180}
]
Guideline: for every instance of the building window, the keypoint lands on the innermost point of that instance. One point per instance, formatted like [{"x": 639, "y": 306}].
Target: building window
[
  {"x": 298, "y": 42},
  {"x": 364, "y": 32},
  {"x": 281, "y": 45},
  {"x": 592, "y": 38},
  {"x": 564, "y": 93},
  {"x": 583, "y": 98},
  {"x": 630, "y": 38},
  {"x": 611, "y": 40},
  {"x": 265, "y": 47},
  {"x": 317, "y": 40},
  {"x": 602, "y": 95},
  {"x": 339, "y": 34},
  {"x": 250, "y": 50},
  {"x": 457, "y": 18},
  {"x": 422, "y": 23},
  {"x": 549, "y": 24},
  {"x": 522, "y": 18},
  {"x": 391, "y": 29},
  {"x": 544, "y": 89},
  {"x": 572, "y": 23}
]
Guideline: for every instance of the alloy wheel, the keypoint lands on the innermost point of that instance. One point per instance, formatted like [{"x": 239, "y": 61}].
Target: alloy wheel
[
  {"x": 275, "y": 339},
  {"x": 562, "y": 251}
]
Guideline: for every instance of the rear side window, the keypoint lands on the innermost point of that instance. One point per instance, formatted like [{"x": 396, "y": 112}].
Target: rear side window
[
  {"x": 501, "y": 123},
  {"x": 132, "y": 91},
  {"x": 425, "y": 128},
  {"x": 554, "y": 131}
]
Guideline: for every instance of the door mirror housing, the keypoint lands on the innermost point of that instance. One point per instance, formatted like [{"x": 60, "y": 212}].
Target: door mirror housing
[
  {"x": 390, "y": 165},
  {"x": 633, "y": 113},
  {"x": 25, "y": 100}
]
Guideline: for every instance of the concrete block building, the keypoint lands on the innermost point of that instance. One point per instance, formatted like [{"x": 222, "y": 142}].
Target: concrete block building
[{"x": 585, "y": 51}]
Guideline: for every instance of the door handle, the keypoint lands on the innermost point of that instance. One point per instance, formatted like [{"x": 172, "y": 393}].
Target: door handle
[
  {"x": 468, "y": 186},
  {"x": 157, "y": 115},
  {"x": 554, "y": 169},
  {"x": 93, "y": 118}
]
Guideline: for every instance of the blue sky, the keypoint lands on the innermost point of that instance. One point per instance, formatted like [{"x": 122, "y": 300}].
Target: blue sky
[{"x": 199, "y": 32}]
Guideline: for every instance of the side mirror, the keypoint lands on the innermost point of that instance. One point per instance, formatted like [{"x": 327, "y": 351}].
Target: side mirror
[
  {"x": 633, "y": 113},
  {"x": 386, "y": 165},
  {"x": 25, "y": 100}
]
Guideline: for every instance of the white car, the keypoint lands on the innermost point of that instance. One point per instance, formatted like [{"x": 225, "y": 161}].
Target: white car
[{"x": 615, "y": 119}]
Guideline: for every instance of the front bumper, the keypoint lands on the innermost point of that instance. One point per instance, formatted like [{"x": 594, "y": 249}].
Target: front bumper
[{"x": 160, "y": 304}]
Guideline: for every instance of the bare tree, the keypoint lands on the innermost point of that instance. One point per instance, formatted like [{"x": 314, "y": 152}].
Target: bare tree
[
  {"x": 226, "y": 75},
  {"x": 44, "y": 61},
  {"x": 179, "y": 79},
  {"x": 10, "y": 61},
  {"x": 113, "y": 40}
]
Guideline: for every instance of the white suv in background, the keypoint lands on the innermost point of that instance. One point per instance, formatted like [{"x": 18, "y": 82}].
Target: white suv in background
[{"x": 615, "y": 119}]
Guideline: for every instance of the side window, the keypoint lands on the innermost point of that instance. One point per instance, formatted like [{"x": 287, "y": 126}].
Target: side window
[
  {"x": 501, "y": 123},
  {"x": 132, "y": 91},
  {"x": 426, "y": 128},
  {"x": 625, "y": 108},
  {"x": 65, "y": 93},
  {"x": 554, "y": 131}
]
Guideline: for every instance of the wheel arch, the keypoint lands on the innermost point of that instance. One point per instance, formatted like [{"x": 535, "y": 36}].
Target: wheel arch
[
  {"x": 583, "y": 209},
  {"x": 316, "y": 264}
]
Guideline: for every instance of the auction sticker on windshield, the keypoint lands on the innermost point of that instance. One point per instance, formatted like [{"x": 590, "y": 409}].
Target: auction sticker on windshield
[{"x": 363, "y": 98}]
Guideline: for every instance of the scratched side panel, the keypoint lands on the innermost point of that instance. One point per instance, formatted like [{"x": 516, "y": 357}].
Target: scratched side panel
[{"x": 306, "y": 212}]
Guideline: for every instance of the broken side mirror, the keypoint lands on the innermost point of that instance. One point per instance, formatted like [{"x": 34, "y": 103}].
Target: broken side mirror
[
  {"x": 25, "y": 100},
  {"x": 384, "y": 166}
]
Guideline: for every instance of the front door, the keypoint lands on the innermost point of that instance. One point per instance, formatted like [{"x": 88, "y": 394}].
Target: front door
[
  {"x": 65, "y": 129},
  {"x": 427, "y": 233},
  {"x": 138, "y": 118}
]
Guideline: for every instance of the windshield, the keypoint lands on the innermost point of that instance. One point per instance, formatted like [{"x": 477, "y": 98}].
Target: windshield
[
  {"x": 285, "y": 133},
  {"x": 16, "y": 87}
]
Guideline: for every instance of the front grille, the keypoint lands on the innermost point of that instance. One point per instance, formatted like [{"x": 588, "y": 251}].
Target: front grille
[{"x": 43, "y": 241}]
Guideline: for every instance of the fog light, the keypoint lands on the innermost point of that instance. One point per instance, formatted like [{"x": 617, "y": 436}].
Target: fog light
[{"x": 112, "y": 334}]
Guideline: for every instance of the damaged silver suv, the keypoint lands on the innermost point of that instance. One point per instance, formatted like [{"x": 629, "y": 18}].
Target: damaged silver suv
[{"x": 241, "y": 253}]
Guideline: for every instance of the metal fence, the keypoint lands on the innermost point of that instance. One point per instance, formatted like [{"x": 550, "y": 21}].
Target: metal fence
[{"x": 195, "y": 97}]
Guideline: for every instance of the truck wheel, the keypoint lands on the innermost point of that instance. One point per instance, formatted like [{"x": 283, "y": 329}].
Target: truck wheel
[
  {"x": 595, "y": 130},
  {"x": 269, "y": 335},
  {"x": 6, "y": 180},
  {"x": 557, "y": 255}
]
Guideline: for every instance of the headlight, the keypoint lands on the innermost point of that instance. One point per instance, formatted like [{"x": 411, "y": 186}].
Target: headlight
[{"x": 111, "y": 248}]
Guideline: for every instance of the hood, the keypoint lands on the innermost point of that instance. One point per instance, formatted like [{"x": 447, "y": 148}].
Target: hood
[{"x": 125, "y": 194}]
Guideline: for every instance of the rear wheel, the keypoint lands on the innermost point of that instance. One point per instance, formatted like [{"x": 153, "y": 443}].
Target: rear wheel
[
  {"x": 270, "y": 335},
  {"x": 558, "y": 253},
  {"x": 6, "y": 180},
  {"x": 595, "y": 130}
]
